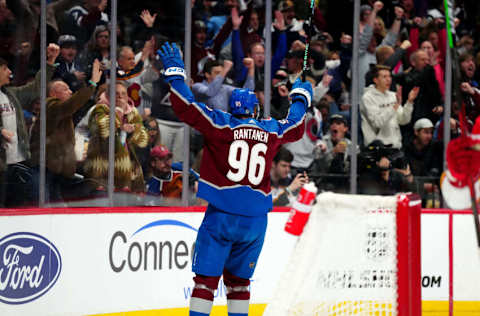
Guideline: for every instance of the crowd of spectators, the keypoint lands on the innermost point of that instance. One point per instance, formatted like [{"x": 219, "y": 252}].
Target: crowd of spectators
[{"x": 401, "y": 67}]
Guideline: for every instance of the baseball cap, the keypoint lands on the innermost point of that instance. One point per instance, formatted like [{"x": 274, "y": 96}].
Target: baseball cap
[
  {"x": 337, "y": 117},
  {"x": 285, "y": 5},
  {"x": 422, "y": 123},
  {"x": 161, "y": 152},
  {"x": 67, "y": 40}
]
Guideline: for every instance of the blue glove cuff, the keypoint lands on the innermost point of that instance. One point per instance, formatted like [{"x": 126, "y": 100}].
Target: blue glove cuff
[
  {"x": 175, "y": 71},
  {"x": 301, "y": 92}
]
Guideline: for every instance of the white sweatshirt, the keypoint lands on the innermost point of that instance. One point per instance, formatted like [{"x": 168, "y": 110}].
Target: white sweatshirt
[{"x": 379, "y": 118}]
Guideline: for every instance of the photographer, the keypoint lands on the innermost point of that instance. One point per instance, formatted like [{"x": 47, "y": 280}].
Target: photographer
[
  {"x": 285, "y": 187},
  {"x": 384, "y": 170}
]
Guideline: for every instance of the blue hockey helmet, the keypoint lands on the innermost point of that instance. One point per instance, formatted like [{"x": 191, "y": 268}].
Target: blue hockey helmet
[{"x": 243, "y": 102}]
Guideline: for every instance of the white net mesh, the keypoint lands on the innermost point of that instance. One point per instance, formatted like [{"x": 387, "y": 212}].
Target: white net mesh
[{"x": 344, "y": 262}]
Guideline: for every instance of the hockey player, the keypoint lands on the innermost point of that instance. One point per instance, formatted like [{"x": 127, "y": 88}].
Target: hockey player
[
  {"x": 235, "y": 180},
  {"x": 463, "y": 161}
]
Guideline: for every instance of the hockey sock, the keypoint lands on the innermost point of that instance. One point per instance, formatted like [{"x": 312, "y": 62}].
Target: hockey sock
[
  {"x": 202, "y": 296},
  {"x": 238, "y": 294}
]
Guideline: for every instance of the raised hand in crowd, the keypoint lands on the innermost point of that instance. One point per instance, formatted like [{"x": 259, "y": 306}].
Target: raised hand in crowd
[
  {"x": 147, "y": 18},
  {"x": 412, "y": 95},
  {"x": 96, "y": 71},
  {"x": 227, "y": 65},
  {"x": 148, "y": 48},
  {"x": 236, "y": 18},
  {"x": 129, "y": 128},
  {"x": 377, "y": 6},
  {"x": 398, "y": 94},
  {"x": 298, "y": 45},
  {"x": 279, "y": 22},
  {"x": 326, "y": 79},
  {"x": 406, "y": 44},
  {"x": 53, "y": 50},
  {"x": 250, "y": 65},
  {"x": 399, "y": 12},
  {"x": 283, "y": 90},
  {"x": 80, "y": 75},
  {"x": 8, "y": 135},
  {"x": 102, "y": 5}
]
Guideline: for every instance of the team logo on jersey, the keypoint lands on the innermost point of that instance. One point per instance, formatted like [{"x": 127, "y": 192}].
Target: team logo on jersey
[
  {"x": 134, "y": 94},
  {"x": 29, "y": 267},
  {"x": 251, "y": 265}
]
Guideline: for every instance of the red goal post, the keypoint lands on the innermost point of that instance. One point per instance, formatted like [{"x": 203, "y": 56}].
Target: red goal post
[{"x": 358, "y": 255}]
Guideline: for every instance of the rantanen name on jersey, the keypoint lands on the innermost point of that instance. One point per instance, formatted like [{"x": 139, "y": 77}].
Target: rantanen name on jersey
[{"x": 250, "y": 133}]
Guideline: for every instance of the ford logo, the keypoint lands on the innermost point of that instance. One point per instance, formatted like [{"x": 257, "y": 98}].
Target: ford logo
[{"x": 29, "y": 267}]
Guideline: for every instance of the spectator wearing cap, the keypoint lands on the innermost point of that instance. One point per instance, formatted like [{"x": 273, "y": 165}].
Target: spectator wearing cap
[
  {"x": 424, "y": 154},
  {"x": 332, "y": 155},
  {"x": 212, "y": 91},
  {"x": 163, "y": 181},
  {"x": 256, "y": 51},
  {"x": 68, "y": 69},
  {"x": 165, "y": 177},
  {"x": 382, "y": 112}
]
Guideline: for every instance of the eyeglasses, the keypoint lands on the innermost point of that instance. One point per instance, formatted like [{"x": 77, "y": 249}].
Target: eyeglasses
[{"x": 150, "y": 128}]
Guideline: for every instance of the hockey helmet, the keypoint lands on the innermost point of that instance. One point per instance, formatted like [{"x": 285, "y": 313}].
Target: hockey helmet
[{"x": 243, "y": 102}]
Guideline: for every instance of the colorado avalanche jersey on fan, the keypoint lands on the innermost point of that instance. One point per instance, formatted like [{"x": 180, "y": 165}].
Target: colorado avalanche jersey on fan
[{"x": 238, "y": 153}]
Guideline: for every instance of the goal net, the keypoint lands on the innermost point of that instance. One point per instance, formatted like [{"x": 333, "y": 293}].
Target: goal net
[{"x": 358, "y": 255}]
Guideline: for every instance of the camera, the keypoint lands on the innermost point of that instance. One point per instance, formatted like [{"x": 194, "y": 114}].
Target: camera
[{"x": 372, "y": 153}]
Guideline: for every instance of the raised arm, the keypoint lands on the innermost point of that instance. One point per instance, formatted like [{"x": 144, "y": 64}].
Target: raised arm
[
  {"x": 64, "y": 109},
  {"x": 27, "y": 93},
  {"x": 292, "y": 128},
  {"x": 197, "y": 115}
]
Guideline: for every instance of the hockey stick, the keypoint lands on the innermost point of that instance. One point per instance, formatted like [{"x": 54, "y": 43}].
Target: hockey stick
[{"x": 309, "y": 35}]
